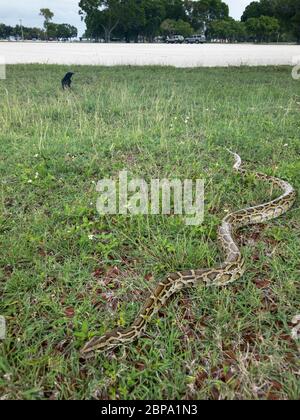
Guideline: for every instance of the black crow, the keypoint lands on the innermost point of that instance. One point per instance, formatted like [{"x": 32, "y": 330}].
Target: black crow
[{"x": 67, "y": 80}]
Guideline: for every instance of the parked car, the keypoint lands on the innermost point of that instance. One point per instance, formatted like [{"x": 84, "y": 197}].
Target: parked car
[
  {"x": 158, "y": 39},
  {"x": 196, "y": 39},
  {"x": 175, "y": 39}
]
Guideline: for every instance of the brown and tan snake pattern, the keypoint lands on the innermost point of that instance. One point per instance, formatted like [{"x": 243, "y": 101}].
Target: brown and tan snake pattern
[{"x": 230, "y": 270}]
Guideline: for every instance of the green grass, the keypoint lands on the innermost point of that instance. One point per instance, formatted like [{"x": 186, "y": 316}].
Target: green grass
[{"x": 58, "y": 287}]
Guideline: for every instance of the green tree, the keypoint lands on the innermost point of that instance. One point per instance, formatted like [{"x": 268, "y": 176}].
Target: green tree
[
  {"x": 100, "y": 16},
  {"x": 296, "y": 26},
  {"x": 183, "y": 28},
  {"x": 175, "y": 9},
  {"x": 227, "y": 30},
  {"x": 61, "y": 31},
  {"x": 260, "y": 8},
  {"x": 240, "y": 31},
  {"x": 73, "y": 31},
  {"x": 287, "y": 12},
  {"x": 178, "y": 27},
  {"x": 155, "y": 13},
  {"x": 51, "y": 30},
  {"x": 33, "y": 33},
  {"x": 66, "y": 31},
  {"x": 6, "y": 31},
  {"x": 263, "y": 28},
  {"x": 168, "y": 27},
  {"x": 133, "y": 19},
  {"x": 201, "y": 12},
  {"x": 48, "y": 16}
]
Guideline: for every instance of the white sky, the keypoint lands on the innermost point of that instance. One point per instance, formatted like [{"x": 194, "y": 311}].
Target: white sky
[{"x": 66, "y": 11}]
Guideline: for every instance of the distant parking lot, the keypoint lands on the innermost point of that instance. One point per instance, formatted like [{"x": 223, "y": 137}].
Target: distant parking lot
[{"x": 178, "y": 55}]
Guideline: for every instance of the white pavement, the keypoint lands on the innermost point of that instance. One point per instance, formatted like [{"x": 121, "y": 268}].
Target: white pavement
[{"x": 149, "y": 54}]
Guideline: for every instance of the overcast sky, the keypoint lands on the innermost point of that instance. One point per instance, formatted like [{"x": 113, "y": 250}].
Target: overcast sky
[{"x": 66, "y": 11}]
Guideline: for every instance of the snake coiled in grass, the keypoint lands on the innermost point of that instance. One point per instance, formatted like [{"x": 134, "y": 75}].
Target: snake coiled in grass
[{"x": 229, "y": 271}]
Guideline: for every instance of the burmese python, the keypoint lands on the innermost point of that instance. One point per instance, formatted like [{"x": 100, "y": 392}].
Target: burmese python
[{"x": 230, "y": 270}]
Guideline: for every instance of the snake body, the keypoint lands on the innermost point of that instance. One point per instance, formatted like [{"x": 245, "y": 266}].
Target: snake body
[{"x": 229, "y": 271}]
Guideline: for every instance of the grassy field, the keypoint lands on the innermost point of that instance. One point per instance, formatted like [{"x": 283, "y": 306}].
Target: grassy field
[{"x": 67, "y": 273}]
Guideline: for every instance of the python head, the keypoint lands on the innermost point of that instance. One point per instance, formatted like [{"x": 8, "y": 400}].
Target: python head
[{"x": 105, "y": 342}]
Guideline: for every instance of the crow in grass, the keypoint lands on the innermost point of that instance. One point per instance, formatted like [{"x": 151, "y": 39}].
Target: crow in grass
[{"x": 67, "y": 80}]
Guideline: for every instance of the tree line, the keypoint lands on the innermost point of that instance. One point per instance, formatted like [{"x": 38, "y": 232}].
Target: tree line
[
  {"x": 285, "y": 13},
  {"x": 143, "y": 20},
  {"x": 51, "y": 30},
  {"x": 133, "y": 20}
]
